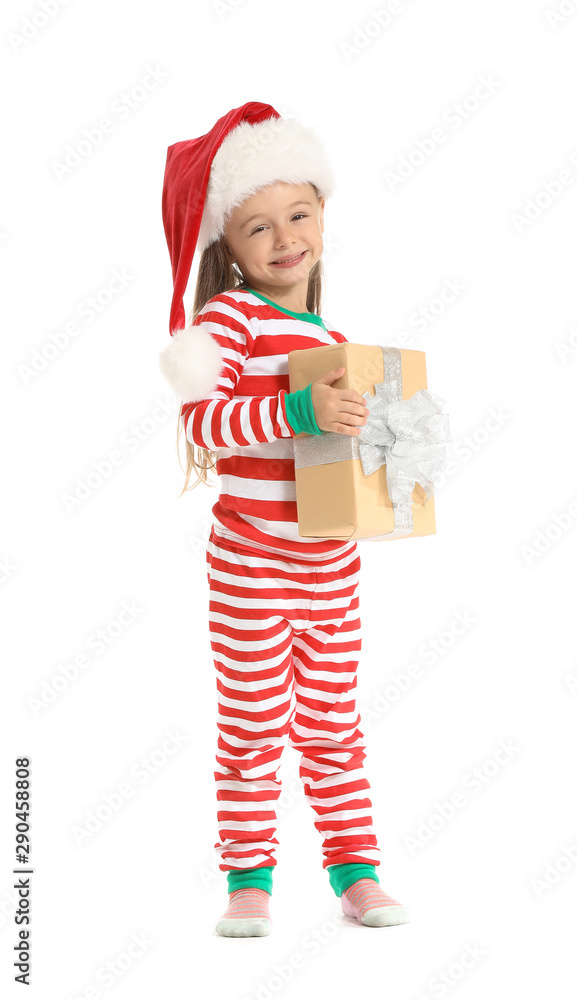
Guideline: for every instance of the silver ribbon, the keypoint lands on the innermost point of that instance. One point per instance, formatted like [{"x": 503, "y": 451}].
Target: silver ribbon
[{"x": 408, "y": 436}]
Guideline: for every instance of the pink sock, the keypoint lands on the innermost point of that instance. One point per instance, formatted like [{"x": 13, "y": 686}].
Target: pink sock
[
  {"x": 366, "y": 901},
  {"x": 247, "y": 914}
]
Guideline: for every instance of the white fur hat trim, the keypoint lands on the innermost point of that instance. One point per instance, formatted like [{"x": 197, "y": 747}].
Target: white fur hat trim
[
  {"x": 254, "y": 156},
  {"x": 192, "y": 363}
]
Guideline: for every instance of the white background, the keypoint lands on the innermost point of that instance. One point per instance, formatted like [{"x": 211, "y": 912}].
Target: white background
[{"x": 497, "y": 878}]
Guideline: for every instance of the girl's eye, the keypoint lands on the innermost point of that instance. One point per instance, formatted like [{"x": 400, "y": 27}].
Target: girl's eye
[{"x": 299, "y": 215}]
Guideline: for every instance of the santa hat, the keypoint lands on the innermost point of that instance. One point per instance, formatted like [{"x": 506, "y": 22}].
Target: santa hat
[{"x": 204, "y": 180}]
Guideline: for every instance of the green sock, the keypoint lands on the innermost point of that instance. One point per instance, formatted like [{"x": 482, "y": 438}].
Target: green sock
[
  {"x": 251, "y": 878},
  {"x": 342, "y": 876}
]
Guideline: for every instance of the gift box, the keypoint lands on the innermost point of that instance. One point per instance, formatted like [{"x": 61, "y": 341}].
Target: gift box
[{"x": 377, "y": 484}]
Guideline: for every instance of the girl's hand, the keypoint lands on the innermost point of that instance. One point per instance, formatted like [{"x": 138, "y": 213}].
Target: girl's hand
[{"x": 340, "y": 410}]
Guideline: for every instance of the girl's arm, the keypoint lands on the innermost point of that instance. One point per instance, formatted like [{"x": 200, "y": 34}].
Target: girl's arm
[{"x": 219, "y": 421}]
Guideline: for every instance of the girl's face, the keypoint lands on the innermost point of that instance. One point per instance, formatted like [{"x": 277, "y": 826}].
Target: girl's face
[{"x": 278, "y": 222}]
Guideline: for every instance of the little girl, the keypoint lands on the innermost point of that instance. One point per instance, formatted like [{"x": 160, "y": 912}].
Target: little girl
[{"x": 284, "y": 609}]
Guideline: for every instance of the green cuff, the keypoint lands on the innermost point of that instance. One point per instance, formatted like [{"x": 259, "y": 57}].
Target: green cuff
[
  {"x": 343, "y": 876},
  {"x": 300, "y": 412},
  {"x": 253, "y": 878}
]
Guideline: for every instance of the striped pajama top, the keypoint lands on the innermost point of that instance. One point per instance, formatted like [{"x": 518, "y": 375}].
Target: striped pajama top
[{"x": 245, "y": 422}]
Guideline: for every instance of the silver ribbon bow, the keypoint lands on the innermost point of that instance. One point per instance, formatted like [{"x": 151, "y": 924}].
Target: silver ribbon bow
[{"x": 408, "y": 436}]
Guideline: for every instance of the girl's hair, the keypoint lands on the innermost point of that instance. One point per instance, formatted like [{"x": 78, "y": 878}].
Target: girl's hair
[{"x": 216, "y": 274}]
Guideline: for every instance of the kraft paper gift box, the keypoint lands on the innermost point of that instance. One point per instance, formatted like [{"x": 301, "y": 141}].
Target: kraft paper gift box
[{"x": 338, "y": 496}]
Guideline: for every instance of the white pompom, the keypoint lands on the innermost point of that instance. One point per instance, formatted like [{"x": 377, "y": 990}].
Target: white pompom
[{"x": 192, "y": 363}]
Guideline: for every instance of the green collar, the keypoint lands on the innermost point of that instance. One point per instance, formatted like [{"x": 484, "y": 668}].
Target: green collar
[{"x": 308, "y": 317}]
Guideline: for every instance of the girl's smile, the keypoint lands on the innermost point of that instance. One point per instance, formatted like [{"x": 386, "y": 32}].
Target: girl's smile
[
  {"x": 289, "y": 261},
  {"x": 262, "y": 236}
]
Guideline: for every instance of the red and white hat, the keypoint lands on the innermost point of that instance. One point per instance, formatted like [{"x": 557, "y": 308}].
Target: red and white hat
[{"x": 204, "y": 180}]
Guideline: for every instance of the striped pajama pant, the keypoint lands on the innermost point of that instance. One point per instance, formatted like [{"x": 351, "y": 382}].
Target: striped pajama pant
[{"x": 285, "y": 638}]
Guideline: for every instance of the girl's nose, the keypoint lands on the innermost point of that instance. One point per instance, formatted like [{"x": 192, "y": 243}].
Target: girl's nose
[{"x": 283, "y": 237}]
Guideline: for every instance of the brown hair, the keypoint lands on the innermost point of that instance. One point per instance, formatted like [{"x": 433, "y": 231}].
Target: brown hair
[{"x": 216, "y": 274}]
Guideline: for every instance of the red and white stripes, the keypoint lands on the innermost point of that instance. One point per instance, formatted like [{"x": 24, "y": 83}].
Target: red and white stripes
[
  {"x": 244, "y": 421},
  {"x": 285, "y": 638}
]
